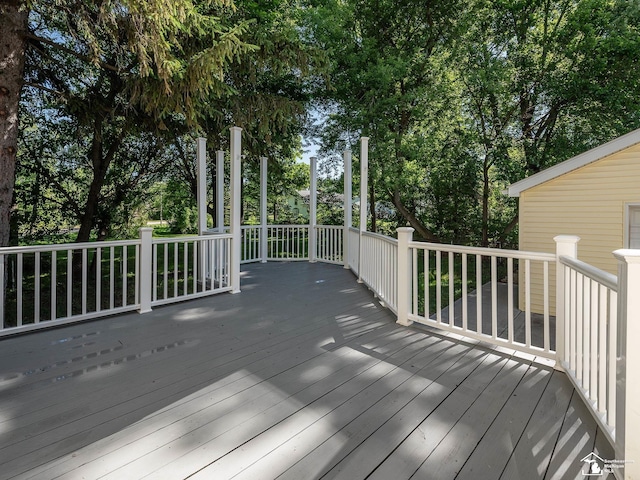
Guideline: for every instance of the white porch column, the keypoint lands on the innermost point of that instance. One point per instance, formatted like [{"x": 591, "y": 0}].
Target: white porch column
[
  {"x": 628, "y": 374},
  {"x": 364, "y": 188},
  {"x": 236, "y": 174},
  {"x": 405, "y": 235},
  {"x": 348, "y": 198},
  {"x": 220, "y": 191},
  {"x": 146, "y": 272},
  {"x": 313, "y": 207},
  {"x": 567, "y": 246},
  {"x": 263, "y": 209},
  {"x": 201, "y": 154}
]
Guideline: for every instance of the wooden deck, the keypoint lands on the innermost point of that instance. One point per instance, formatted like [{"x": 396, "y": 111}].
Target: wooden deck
[{"x": 301, "y": 376}]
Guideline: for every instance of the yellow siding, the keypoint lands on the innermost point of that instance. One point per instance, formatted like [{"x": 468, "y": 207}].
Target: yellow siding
[{"x": 588, "y": 202}]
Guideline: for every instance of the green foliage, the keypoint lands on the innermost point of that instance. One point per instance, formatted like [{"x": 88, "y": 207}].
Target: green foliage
[
  {"x": 460, "y": 99},
  {"x": 116, "y": 93},
  {"x": 284, "y": 180}
]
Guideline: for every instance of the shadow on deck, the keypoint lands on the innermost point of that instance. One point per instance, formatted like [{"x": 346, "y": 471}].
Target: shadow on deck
[
  {"x": 502, "y": 313},
  {"x": 302, "y": 375}
]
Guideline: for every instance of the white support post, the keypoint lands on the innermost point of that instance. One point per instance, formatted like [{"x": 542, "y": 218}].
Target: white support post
[
  {"x": 146, "y": 268},
  {"x": 236, "y": 174},
  {"x": 364, "y": 190},
  {"x": 263, "y": 209},
  {"x": 405, "y": 235},
  {"x": 313, "y": 207},
  {"x": 220, "y": 191},
  {"x": 627, "y": 445},
  {"x": 348, "y": 198},
  {"x": 567, "y": 246},
  {"x": 201, "y": 154}
]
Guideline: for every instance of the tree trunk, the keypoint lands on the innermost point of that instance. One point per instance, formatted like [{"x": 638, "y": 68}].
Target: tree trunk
[
  {"x": 13, "y": 25},
  {"x": 100, "y": 165},
  {"x": 412, "y": 219}
]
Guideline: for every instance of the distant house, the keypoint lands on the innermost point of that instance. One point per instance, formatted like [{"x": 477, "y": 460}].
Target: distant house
[
  {"x": 595, "y": 195},
  {"x": 298, "y": 204}
]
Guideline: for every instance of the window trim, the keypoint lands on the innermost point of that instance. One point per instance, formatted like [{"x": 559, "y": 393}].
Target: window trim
[{"x": 627, "y": 224}]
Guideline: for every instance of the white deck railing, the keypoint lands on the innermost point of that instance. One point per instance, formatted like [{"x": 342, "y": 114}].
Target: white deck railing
[
  {"x": 58, "y": 284},
  {"x": 379, "y": 267},
  {"x": 48, "y": 285},
  {"x": 189, "y": 267},
  {"x": 288, "y": 242},
  {"x": 251, "y": 244},
  {"x": 329, "y": 243},
  {"x": 449, "y": 284},
  {"x": 590, "y": 337}
]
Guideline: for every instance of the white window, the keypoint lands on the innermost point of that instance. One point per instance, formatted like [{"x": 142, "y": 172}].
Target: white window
[{"x": 633, "y": 222}]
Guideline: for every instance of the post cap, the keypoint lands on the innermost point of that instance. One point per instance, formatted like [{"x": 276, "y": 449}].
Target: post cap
[
  {"x": 627, "y": 255},
  {"x": 566, "y": 239}
]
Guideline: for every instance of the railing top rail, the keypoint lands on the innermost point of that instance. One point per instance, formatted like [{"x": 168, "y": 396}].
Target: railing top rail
[
  {"x": 190, "y": 238},
  {"x": 604, "y": 278},
  {"x": 330, "y": 227},
  {"x": 380, "y": 237},
  {"x": 66, "y": 246},
  {"x": 306, "y": 225},
  {"x": 491, "y": 252}
]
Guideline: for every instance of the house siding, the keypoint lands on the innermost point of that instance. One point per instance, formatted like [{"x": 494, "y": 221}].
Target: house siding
[{"x": 589, "y": 202}]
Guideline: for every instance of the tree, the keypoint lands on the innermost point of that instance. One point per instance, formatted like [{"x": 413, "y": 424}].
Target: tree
[
  {"x": 383, "y": 85},
  {"x": 271, "y": 86},
  {"x": 13, "y": 24},
  {"x": 461, "y": 99},
  {"x": 117, "y": 69},
  {"x": 544, "y": 81}
]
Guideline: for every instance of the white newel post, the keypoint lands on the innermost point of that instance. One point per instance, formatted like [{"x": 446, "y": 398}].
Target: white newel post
[
  {"x": 364, "y": 189},
  {"x": 201, "y": 154},
  {"x": 566, "y": 246},
  {"x": 263, "y": 209},
  {"x": 405, "y": 235},
  {"x": 313, "y": 208},
  {"x": 236, "y": 174},
  {"x": 146, "y": 269},
  {"x": 628, "y": 363},
  {"x": 348, "y": 198},
  {"x": 220, "y": 191}
]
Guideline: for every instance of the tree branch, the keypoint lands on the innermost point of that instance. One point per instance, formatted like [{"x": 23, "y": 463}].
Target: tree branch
[{"x": 72, "y": 52}]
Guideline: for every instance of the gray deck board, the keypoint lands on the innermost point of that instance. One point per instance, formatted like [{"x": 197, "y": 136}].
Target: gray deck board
[{"x": 302, "y": 375}]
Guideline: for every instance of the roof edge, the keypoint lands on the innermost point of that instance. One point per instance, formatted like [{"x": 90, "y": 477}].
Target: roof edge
[{"x": 590, "y": 156}]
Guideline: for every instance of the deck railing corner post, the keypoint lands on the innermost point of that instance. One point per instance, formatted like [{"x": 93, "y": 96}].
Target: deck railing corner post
[
  {"x": 405, "y": 236},
  {"x": 348, "y": 205},
  {"x": 235, "y": 187},
  {"x": 627, "y": 426},
  {"x": 146, "y": 270},
  {"x": 201, "y": 168},
  {"x": 313, "y": 207},
  {"x": 364, "y": 190},
  {"x": 264, "y": 165},
  {"x": 566, "y": 246}
]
